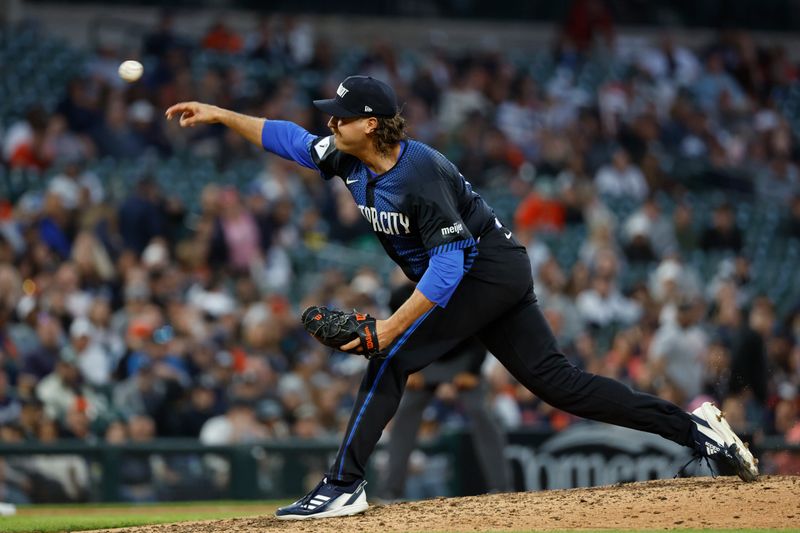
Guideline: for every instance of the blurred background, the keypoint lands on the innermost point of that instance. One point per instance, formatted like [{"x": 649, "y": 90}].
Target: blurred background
[{"x": 151, "y": 278}]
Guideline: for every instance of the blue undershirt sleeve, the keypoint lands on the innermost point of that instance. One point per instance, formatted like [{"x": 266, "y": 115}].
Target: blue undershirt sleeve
[
  {"x": 288, "y": 140},
  {"x": 443, "y": 275}
]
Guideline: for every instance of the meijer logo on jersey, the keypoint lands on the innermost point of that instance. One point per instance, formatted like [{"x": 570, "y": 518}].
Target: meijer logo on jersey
[{"x": 455, "y": 228}]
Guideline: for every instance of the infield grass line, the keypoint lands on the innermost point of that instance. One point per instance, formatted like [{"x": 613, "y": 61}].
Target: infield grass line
[{"x": 55, "y": 518}]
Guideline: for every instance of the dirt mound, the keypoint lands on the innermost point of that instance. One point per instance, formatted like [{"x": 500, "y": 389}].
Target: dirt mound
[{"x": 772, "y": 502}]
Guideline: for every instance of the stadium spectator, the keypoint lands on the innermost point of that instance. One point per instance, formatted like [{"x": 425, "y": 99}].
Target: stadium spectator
[
  {"x": 41, "y": 361},
  {"x": 723, "y": 233},
  {"x": 603, "y": 304},
  {"x": 678, "y": 351},
  {"x": 221, "y": 38},
  {"x": 141, "y": 216},
  {"x": 621, "y": 178},
  {"x": 649, "y": 222},
  {"x": 238, "y": 425}
]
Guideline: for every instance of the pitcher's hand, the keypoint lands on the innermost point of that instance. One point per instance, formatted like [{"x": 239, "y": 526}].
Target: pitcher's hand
[{"x": 192, "y": 113}]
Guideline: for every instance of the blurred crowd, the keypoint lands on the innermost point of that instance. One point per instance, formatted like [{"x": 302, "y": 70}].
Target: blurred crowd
[{"x": 135, "y": 315}]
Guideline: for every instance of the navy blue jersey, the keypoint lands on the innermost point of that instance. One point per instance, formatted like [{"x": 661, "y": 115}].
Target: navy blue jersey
[{"x": 422, "y": 206}]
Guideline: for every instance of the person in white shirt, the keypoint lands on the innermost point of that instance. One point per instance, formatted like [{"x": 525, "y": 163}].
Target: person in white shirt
[{"x": 622, "y": 178}]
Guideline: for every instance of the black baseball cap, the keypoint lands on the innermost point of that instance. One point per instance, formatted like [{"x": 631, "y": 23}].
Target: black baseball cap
[{"x": 360, "y": 96}]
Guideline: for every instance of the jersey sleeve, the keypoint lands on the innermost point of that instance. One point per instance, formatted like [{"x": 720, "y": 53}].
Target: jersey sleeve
[
  {"x": 443, "y": 275},
  {"x": 292, "y": 142},
  {"x": 329, "y": 160},
  {"x": 435, "y": 210},
  {"x": 288, "y": 140}
]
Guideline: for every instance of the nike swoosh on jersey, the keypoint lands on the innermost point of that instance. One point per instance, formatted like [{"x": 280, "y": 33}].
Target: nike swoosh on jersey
[{"x": 349, "y": 181}]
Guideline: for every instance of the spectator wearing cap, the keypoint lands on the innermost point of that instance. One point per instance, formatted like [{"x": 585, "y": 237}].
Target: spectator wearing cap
[
  {"x": 669, "y": 282},
  {"x": 94, "y": 362},
  {"x": 64, "y": 390},
  {"x": 639, "y": 247},
  {"x": 159, "y": 351},
  {"x": 650, "y": 222}
]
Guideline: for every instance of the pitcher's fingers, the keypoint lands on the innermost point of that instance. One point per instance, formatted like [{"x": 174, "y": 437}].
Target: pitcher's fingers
[
  {"x": 170, "y": 112},
  {"x": 188, "y": 119},
  {"x": 180, "y": 107}
]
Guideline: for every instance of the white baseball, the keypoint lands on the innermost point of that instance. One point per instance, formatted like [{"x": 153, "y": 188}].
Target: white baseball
[{"x": 130, "y": 70}]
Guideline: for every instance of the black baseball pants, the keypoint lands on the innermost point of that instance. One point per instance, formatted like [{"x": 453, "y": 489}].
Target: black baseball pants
[{"x": 496, "y": 303}]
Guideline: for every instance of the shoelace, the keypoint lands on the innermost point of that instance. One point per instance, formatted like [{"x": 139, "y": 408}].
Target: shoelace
[
  {"x": 699, "y": 458},
  {"x": 302, "y": 502}
]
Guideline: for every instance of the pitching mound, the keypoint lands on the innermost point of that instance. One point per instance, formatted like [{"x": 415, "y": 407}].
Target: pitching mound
[{"x": 772, "y": 502}]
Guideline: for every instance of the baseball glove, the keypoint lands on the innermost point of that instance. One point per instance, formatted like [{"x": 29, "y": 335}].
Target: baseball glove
[{"x": 336, "y": 328}]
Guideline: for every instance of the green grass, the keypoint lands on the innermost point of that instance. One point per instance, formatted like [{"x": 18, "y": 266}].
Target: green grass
[{"x": 76, "y": 517}]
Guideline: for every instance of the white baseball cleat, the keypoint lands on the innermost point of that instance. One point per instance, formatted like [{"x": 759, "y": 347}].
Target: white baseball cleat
[
  {"x": 327, "y": 500},
  {"x": 715, "y": 439}
]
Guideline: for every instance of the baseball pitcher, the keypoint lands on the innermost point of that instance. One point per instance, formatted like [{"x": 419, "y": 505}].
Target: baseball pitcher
[{"x": 473, "y": 279}]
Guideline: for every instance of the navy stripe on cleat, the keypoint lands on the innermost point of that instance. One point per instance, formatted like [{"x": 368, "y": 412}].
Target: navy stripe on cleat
[
  {"x": 327, "y": 500},
  {"x": 715, "y": 440}
]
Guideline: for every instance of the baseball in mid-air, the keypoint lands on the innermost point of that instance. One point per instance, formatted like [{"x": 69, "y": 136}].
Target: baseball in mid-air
[{"x": 130, "y": 70}]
